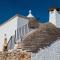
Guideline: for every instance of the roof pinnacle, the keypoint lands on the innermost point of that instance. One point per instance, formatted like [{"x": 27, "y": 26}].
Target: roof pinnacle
[{"x": 30, "y": 14}]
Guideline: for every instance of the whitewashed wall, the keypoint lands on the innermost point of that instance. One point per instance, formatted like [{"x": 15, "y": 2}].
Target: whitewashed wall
[
  {"x": 22, "y": 26},
  {"x": 49, "y": 53},
  {"x": 7, "y": 28},
  {"x": 16, "y": 26},
  {"x": 22, "y": 21}
]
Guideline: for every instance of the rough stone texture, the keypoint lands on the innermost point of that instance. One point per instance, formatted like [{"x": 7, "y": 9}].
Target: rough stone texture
[
  {"x": 15, "y": 55},
  {"x": 43, "y": 37},
  {"x": 33, "y": 23}
]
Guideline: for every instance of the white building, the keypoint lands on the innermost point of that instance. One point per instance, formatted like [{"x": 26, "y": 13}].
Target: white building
[
  {"x": 17, "y": 27},
  {"x": 14, "y": 29}
]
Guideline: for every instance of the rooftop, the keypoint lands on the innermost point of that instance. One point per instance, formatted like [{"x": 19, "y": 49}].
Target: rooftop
[{"x": 43, "y": 37}]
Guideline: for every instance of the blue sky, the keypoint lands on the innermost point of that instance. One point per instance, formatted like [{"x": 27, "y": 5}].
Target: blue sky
[{"x": 9, "y": 8}]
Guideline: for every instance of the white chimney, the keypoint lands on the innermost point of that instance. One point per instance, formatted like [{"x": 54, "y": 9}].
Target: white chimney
[{"x": 54, "y": 16}]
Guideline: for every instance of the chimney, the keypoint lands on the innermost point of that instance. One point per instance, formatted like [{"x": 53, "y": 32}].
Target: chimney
[{"x": 54, "y": 16}]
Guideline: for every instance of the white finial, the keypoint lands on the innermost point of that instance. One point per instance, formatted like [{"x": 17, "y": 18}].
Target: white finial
[
  {"x": 29, "y": 11},
  {"x": 30, "y": 14}
]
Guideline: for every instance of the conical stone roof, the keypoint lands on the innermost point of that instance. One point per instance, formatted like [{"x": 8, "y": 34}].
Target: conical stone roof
[{"x": 43, "y": 37}]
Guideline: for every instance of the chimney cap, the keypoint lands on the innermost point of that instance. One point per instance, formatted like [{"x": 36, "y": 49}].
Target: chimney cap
[{"x": 52, "y": 9}]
